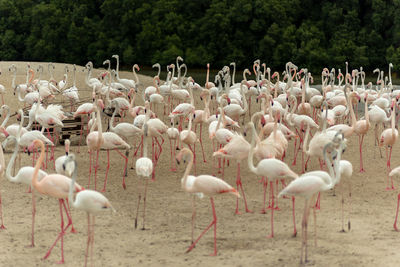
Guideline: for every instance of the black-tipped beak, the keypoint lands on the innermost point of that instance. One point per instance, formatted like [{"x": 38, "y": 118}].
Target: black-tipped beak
[{"x": 178, "y": 162}]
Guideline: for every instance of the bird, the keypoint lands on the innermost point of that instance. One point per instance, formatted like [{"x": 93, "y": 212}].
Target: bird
[
  {"x": 237, "y": 148},
  {"x": 361, "y": 129},
  {"x": 144, "y": 169},
  {"x": 92, "y": 202},
  {"x": 273, "y": 169},
  {"x": 208, "y": 185},
  {"x": 2, "y": 170},
  {"x": 307, "y": 185},
  {"x": 60, "y": 160},
  {"x": 388, "y": 139},
  {"x": 53, "y": 185}
]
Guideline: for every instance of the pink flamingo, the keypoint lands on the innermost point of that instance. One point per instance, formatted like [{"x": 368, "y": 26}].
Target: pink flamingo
[
  {"x": 201, "y": 116},
  {"x": 144, "y": 168},
  {"x": 53, "y": 185},
  {"x": 173, "y": 135},
  {"x": 24, "y": 176},
  {"x": 273, "y": 169},
  {"x": 388, "y": 139},
  {"x": 361, "y": 129},
  {"x": 208, "y": 185},
  {"x": 238, "y": 148},
  {"x": 90, "y": 201},
  {"x": 60, "y": 160},
  {"x": 307, "y": 185}
]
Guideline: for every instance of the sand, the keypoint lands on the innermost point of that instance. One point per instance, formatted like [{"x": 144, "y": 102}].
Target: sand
[{"x": 241, "y": 239}]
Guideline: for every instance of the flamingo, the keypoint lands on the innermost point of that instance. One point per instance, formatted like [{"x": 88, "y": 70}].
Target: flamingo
[
  {"x": 388, "y": 139},
  {"x": 273, "y": 169},
  {"x": 57, "y": 186},
  {"x": 238, "y": 148},
  {"x": 307, "y": 185},
  {"x": 24, "y": 176},
  {"x": 60, "y": 160},
  {"x": 206, "y": 184},
  {"x": 144, "y": 168},
  {"x": 346, "y": 171},
  {"x": 2, "y": 168},
  {"x": 126, "y": 82},
  {"x": 92, "y": 202},
  {"x": 361, "y": 129}
]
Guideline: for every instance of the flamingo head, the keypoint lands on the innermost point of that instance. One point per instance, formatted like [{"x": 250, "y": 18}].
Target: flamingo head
[
  {"x": 274, "y": 75},
  {"x": 136, "y": 66}
]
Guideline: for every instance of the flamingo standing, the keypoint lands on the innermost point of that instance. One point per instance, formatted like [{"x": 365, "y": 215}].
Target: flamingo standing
[
  {"x": 208, "y": 185},
  {"x": 361, "y": 129},
  {"x": 388, "y": 139},
  {"x": 90, "y": 201},
  {"x": 307, "y": 185},
  {"x": 53, "y": 185},
  {"x": 238, "y": 148},
  {"x": 173, "y": 135},
  {"x": 144, "y": 168},
  {"x": 273, "y": 169},
  {"x": 24, "y": 176}
]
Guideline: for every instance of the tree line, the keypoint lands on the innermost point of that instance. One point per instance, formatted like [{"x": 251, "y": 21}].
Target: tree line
[{"x": 310, "y": 33}]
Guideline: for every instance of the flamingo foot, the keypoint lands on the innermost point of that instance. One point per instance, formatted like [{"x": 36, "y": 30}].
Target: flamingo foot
[
  {"x": 270, "y": 236},
  {"x": 173, "y": 169},
  {"x": 362, "y": 170},
  {"x": 238, "y": 212},
  {"x": 294, "y": 234},
  {"x": 277, "y": 208},
  {"x": 389, "y": 188},
  {"x": 2, "y": 227},
  {"x": 249, "y": 211},
  {"x": 60, "y": 262},
  {"x": 73, "y": 230},
  {"x": 263, "y": 211},
  {"x": 124, "y": 185},
  {"x": 395, "y": 227}
]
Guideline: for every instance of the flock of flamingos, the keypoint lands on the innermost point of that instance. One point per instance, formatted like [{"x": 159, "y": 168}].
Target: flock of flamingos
[{"x": 285, "y": 106}]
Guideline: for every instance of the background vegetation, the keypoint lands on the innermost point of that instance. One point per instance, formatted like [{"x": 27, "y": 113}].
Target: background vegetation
[{"x": 309, "y": 33}]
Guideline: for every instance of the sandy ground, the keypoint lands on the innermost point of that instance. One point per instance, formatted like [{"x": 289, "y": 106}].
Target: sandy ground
[{"x": 241, "y": 239}]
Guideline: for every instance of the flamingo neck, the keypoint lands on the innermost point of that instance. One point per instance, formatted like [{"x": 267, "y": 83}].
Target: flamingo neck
[
  {"x": 252, "y": 145},
  {"x": 12, "y": 162},
  {"x": 186, "y": 174},
  {"x": 39, "y": 162}
]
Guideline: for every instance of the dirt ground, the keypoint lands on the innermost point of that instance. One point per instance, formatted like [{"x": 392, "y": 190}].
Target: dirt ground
[{"x": 241, "y": 239}]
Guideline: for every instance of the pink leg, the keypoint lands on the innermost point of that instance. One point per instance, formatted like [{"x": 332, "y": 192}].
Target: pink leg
[
  {"x": 108, "y": 167},
  {"x": 214, "y": 222},
  {"x": 90, "y": 166},
  {"x": 397, "y": 213},
  {"x": 1, "y": 212},
  {"x": 125, "y": 173},
  {"x": 271, "y": 185},
  {"x": 264, "y": 182},
  {"x": 239, "y": 184},
  {"x": 361, "y": 140},
  {"x": 201, "y": 143},
  {"x": 318, "y": 203},
  {"x": 69, "y": 216},
  {"x": 33, "y": 219},
  {"x": 294, "y": 218},
  {"x": 88, "y": 239},
  {"x": 95, "y": 169},
  {"x": 144, "y": 202}
]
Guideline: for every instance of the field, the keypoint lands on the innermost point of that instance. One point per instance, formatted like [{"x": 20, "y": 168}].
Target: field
[{"x": 241, "y": 239}]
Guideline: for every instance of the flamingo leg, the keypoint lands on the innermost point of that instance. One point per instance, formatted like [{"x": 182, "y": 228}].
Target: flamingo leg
[
  {"x": 214, "y": 222},
  {"x": 108, "y": 167},
  {"x": 138, "y": 204},
  {"x": 60, "y": 235},
  {"x": 73, "y": 230},
  {"x": 90, "y": 166},
  {"x": 361, "y": 140},
  {"x": 350, "y": 207},
  {"x": 88, "y": 239},
  {"x": 239, "y": 184},
  {"x": 33, "y": 219},
  {"x": 271, "y": 185},
  {"x": 264, "y": 182},
  {"x": 125, "y": 173},
  {"x": 318, "y": 203},
  {"x": 294, "y": 218},
  {"x": 397, "y": 213},
  {"x": 193, "y": 215},
  {"x": 201, "y": 143},
  {"x": 95, "y": 169},
  {"x": 92, "y": 241},
  {"x": 144, "y": 202}
]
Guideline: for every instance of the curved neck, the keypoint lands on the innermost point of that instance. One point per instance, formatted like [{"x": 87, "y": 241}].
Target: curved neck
[
  {"x": 306, "y": 138},
  {"x": 393, "y": 116},
  {"x": 71, "y": 199},
  {"x": 12, "y": 162},
  {"x": 99, "y": 128},
  {"x": 186, "y": 173},
  {"x": 19, "y": 94},
  {"x": 13, "y": 79},
  {"x": 117, "y": 69},
  {"x": 111, "y": 122},
  {"x": 7, "y": 108},
  {"x": 252, "y": 145},
  {"x": 244, "y": 99},
  {"x": 74, "y": 77},
  {"x": 35, "y": 182},
  {"x": 233, "y": 74},
  {"x": 135, "y": 75}
]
